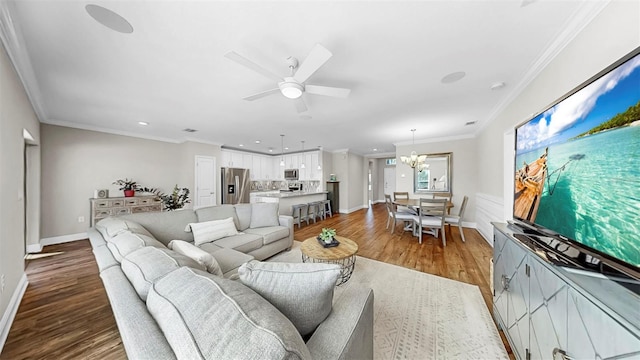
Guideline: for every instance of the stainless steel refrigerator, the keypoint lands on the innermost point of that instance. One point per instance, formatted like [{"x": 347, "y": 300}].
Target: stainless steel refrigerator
[{"x": 235, "y": 185}]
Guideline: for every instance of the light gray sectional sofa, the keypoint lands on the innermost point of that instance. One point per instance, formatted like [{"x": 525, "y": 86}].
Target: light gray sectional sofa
[{"x": 174, "y": 304}]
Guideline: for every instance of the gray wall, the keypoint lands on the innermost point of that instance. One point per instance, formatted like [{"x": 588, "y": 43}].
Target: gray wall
[
  {"x": 16, "y": 114},
  {"x": 611, "y": 35},
  {"x": 464, "y": 170},
  {"x": 76, "y": 162}
]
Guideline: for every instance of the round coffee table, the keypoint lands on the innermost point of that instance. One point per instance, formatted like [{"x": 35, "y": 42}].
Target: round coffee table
[{"x": 343, "y": 255}]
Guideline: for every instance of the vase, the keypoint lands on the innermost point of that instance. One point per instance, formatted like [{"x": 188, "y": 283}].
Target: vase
[{"x": 129, "y": 193}]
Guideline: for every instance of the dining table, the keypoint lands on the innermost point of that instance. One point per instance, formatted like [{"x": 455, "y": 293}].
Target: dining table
[{"x": 415, "y": 203}]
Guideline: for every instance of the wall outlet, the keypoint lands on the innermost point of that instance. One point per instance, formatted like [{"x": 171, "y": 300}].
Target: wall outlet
[{"x": 80, "y": 219}]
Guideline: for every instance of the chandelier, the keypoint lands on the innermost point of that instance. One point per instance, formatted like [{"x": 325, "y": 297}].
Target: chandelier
[{"x": 414, "y": 160}]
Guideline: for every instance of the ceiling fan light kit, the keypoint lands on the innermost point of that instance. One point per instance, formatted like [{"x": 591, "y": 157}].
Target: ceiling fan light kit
[{"x": 290, "y": 88}]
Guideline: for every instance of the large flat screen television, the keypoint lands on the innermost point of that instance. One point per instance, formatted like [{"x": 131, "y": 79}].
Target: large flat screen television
[{"x": 577, "y": 168}]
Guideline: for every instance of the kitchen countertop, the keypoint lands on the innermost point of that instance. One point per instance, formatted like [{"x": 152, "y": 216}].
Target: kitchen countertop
[{"x": 288, "y": 194}]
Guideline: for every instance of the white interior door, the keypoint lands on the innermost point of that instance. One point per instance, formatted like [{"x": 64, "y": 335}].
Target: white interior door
[
  {"x": 389, "y": 180},
  {"x": 205, "y": 194}
]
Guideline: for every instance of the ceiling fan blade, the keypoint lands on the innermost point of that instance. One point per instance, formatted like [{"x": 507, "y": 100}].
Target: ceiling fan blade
[
  {"x": 316, "y": 58},
  {"x": 261, "y": 94},
  {"x": 327, "y": 91},
  {"x": 232, "y": 55},
  {"x": 300, "y": 105}
]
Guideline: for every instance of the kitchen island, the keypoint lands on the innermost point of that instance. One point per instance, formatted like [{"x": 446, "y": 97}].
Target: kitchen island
[{"x": 286, "y": 199}]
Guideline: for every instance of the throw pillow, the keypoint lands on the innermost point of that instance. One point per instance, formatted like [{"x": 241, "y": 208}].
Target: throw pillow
[
  {"x": 209, "y": 231},
  {"x": 144, "y": 266},
  {"x": 111, "y": 226},
  {"x": 303, "y": 292},
  {"x": 264, "y": 214},
  {"x": 126, "y": 242},
  {"x": 200, "y": 256},
  {"x": 207, "y": 317}
]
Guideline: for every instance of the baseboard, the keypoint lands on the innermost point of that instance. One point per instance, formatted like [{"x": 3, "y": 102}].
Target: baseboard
[
  {"x": 34, "y": 248},
  {"x": 12, "y": 310},
  {"x": 349, "y": 211},
  {"x": 63, "y": 239}
]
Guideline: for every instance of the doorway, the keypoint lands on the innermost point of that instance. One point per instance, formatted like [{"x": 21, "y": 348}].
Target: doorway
[{"x": 205, "y": 187}]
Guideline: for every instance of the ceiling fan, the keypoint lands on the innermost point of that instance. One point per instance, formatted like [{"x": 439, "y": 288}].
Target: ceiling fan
[{"x": 294, "y": 85}]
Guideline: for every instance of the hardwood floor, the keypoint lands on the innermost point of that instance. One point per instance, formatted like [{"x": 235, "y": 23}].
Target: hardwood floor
[{"x": 65, "y": 312}]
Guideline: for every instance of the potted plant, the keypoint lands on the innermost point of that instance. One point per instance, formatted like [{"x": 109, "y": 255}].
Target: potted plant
[
  {"x": 327, "y": 237},
  {"x": 174, "y": 201},
  {"x": 129, "y": 186}
]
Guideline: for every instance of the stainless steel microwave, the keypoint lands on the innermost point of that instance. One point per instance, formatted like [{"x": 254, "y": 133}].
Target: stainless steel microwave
[{"x": 291, "y": 174}]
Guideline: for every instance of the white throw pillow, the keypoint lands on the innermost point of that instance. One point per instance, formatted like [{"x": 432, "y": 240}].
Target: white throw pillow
[
  {"x": 200, "y": 256},
  {"x": 209, "y": 231},
  {"x": 303, "y": 292}
]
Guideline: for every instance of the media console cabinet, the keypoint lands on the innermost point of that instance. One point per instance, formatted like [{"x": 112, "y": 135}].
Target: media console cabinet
[
  {"x": 100, "y": 208},
  {"x": 554, "y": 312}
]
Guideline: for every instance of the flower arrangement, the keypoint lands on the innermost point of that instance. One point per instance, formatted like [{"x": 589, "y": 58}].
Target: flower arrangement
[
  {"x": 178, "y": 198},
  {"x": 327, "y": 235}
]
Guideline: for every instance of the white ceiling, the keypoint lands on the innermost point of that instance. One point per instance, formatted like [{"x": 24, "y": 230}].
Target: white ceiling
[{"x": 171, "y": 71}]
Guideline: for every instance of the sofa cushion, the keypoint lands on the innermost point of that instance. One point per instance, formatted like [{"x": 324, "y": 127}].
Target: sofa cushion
[
  {"x": 200, "y": 256},
  {"x": 219, "y": 212},
  {"x": 213, "y": 230},
  {"x": 127, "y": 242},
  {"x": 228, "y": 259},
  {"x": 244, "y": 216},
  {"x": 244, "y": 242},
  {"x": 166, "y": 225},
  {"x": 264, "y": 214},
  {"x": 145, "y": 265},
  {"x": 208, "y": 317},
  {"x": 269, "y": 234},
  {"x": 111, "y": 226},
  {"x": 303, "y": 292}
]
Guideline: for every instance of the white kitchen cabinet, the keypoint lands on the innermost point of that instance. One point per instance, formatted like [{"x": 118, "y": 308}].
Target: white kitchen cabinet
[
  {"x": 247, "y": 161},
  {"x": 226, "y": 158},
  {"x": 266, "y": 167},
  {"x": 256, "y": 168}
]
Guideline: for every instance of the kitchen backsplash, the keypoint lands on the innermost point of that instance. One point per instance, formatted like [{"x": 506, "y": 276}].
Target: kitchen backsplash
[{"x": 266, "y": 185}]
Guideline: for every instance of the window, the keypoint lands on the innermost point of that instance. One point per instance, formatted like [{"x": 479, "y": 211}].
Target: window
[{"x": 391, "y": 161}]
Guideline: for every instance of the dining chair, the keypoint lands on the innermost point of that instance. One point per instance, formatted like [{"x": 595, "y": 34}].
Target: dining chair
[
  {"x": 432, "y": 213},
  {"x": 457, "y": 219},
  {"x": 442, "y": 195},
  {"x": 393, "y": 215},
  {"x": 402, "y": 195}
]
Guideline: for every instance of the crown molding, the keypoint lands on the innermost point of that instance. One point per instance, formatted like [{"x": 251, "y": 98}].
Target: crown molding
[
  {"x": 13, "y": 41},
  {"x": 575, "y": 24},
  {"x": 435, "y": 140},
  {"x": 380, "y": 155},
  {"x": 110, "y": 131}
]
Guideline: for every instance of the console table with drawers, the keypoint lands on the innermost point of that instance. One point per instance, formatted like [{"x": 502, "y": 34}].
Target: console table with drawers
[{"x": 113, "y": 206}]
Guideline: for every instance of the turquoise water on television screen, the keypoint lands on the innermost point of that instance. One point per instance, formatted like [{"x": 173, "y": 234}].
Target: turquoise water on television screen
[{"x": 592, "y": 192}]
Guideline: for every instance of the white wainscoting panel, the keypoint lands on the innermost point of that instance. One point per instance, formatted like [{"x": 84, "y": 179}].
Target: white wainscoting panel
[{"x": 488, "y": 208}]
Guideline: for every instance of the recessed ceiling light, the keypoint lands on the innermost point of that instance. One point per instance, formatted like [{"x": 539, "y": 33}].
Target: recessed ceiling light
[
  {"x": 498, "y": 85},
  {"x": 241, "y": 145},
  {"x": 375, "y": 149},
  {"x": 109, "y": 19},
  {"x": 453, "y": 77},
  {"x": 257, "y": 141},
  {"x": 286, "y": 148},
  {"x": 270, "y": 149},
  {"x": 143, "y": 123}
]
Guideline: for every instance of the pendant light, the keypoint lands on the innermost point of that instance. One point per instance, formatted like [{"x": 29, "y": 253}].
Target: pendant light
[
  {"x": 282, "y": 150},
  {"x": 302, "y": 164},
  {"x": 414, "y": 160}
]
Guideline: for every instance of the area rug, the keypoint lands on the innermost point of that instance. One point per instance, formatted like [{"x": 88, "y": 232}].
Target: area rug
[{"x": 421, "y": 316}]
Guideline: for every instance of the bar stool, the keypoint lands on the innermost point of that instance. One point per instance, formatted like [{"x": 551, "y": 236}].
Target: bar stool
[
  {"x": 314, "y": 211},
  {"x": 300, "y": 212},
  {"x": 326, "y": 207}
]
